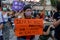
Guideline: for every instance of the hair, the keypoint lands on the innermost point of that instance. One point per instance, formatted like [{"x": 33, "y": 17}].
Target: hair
[
  {"x": 27, "y": 7},
  {"x": 13, "y": 12}
]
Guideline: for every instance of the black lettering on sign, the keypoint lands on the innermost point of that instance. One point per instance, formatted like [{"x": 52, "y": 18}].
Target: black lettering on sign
[
  {"x": 35, "y": 22},
  {"x": 34, "y": 25},
  {"x": 20, "y": 32},
  {"x": 27, "y": 32},
  {"x": 22, "y": 29},
  {"x": 18, "y": 21}
]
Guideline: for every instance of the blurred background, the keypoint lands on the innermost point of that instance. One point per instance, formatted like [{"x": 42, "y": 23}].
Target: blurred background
[{"x": 38, "y": 6}]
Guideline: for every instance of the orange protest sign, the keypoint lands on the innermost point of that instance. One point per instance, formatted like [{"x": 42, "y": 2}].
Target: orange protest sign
[{"x": 25, "y": 27}]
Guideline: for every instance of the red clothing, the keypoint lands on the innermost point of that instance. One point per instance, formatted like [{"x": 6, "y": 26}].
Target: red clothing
[
  {"x": 42, "y": 15},
  {"x": 28, "y": 37}
]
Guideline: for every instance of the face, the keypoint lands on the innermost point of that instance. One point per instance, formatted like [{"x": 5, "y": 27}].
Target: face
[
  {"x": 28, "y": 13},
  {"x": 4, "y": 7},
  {"x": 37, "y": 16}
]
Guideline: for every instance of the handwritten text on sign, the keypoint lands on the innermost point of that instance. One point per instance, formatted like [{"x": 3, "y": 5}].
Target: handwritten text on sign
[{"x": 24, "y": 27}]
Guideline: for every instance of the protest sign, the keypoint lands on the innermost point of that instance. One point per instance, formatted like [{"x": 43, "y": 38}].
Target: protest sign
[{"x": 25, "y": 27}]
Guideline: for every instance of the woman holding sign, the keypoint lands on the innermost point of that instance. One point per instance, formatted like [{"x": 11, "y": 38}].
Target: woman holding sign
[{"x": 27, "y": 15}]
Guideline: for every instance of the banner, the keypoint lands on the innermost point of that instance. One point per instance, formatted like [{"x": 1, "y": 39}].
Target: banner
[{"x": 25, "y": 27}]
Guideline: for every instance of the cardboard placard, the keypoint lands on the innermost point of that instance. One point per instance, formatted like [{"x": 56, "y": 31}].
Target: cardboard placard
[{"x": 25, "y": 27}]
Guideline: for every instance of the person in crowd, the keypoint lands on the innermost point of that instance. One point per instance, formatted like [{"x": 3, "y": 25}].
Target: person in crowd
[
  {"x": 26, "y": 14},
  {"x": 11, "y": 18},
  {"x": 4, "y": 7},
  {"x": 47, "y": 33},
  {"x": 20, "y": 15},
  {"x": 1, "y": 25},
  {"x": 13, "y": 14},
  {"x": 56, "y": 22},
  {"x": 52, "y": 12},
  {"x": 5, "y": 29},
  {"x": 42, "y": 14},
  {"x": 38, "y": 16}
]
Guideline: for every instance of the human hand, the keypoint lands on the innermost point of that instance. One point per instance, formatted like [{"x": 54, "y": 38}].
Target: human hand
[{"x": 52, "y": 26}]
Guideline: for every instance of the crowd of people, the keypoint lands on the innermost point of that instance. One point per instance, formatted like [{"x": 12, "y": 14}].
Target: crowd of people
[{"x": 7, "y": 23}]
